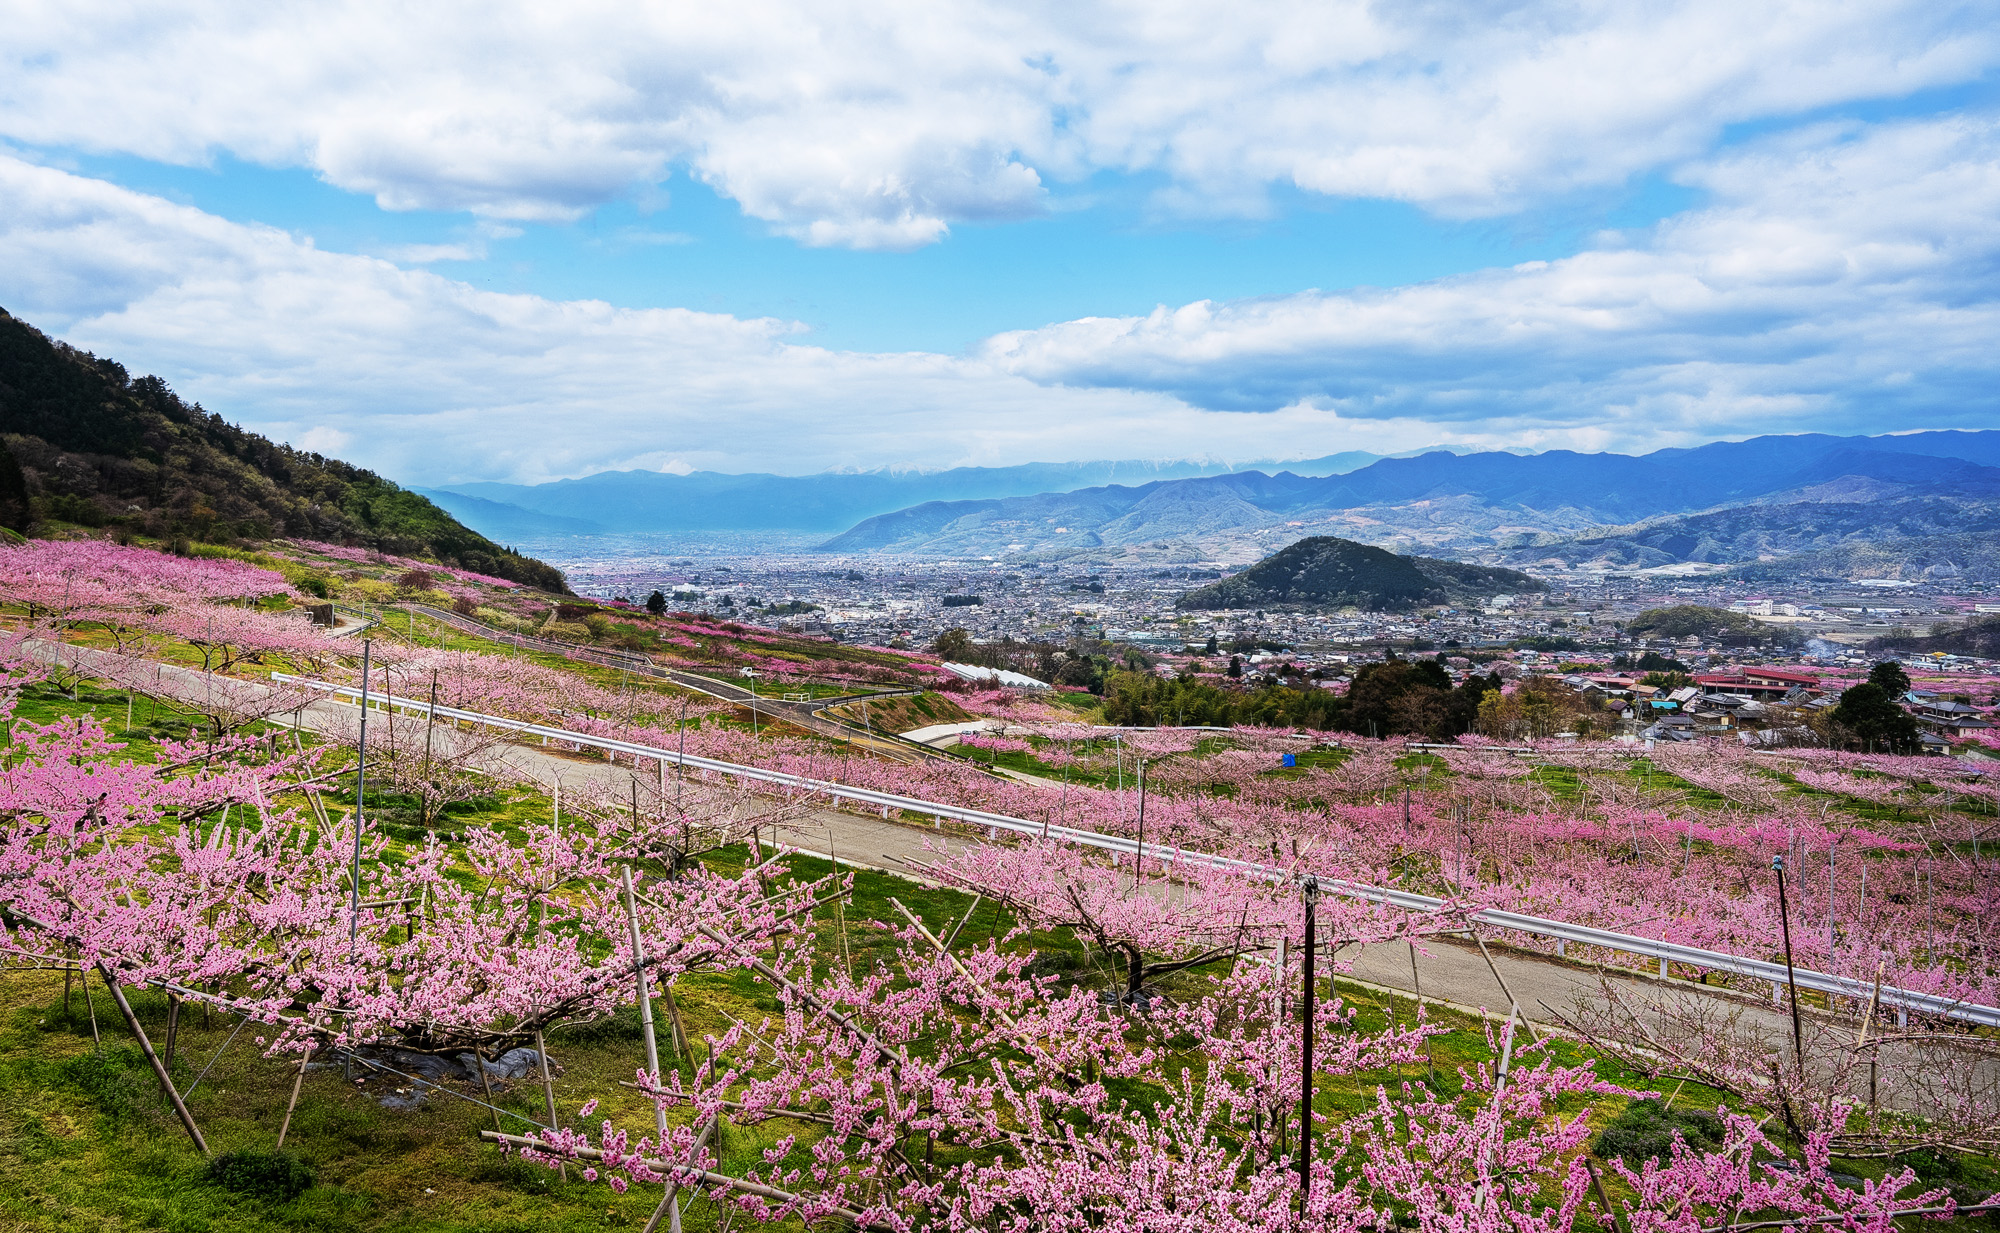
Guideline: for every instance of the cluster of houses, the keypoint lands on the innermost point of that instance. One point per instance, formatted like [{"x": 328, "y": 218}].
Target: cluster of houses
[{"x": 1759, "y": 704}]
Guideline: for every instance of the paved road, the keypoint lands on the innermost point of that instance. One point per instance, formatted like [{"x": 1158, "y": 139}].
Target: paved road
[{"x": 1448, "y": 971}]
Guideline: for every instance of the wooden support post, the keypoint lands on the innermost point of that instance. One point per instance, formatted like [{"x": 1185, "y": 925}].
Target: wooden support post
[
  {"x": 667, "y": 1207},
  {"x": 645, "y": 996},
  {"x": 549, "y": 1095},
  {"x": 677, "y": 1038},
  {"x": 159, "y": 1068},
  {"x": 486, "y": 1084},
  {"x": 90, "y": 1004},
  {"x": 298, "y": 1081},
  {"x": 1504, "y": 987},
  {"x": 1610, "y": 1215},
  {"x": 173, "y": 1027}
]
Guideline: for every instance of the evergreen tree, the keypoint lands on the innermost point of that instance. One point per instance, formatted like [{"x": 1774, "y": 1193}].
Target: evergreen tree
[
  {"x": 1890, "y": 676},
  {"x": 1873, "y": 720}
]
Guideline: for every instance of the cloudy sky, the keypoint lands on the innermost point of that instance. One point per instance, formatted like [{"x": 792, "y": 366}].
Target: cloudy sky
[{"x": 510, "y": 241}]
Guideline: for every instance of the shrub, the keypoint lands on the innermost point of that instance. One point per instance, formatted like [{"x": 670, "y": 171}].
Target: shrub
[
  {"x": 277, "y": 1177},
  {"x": 465, "y": 606},
  {"x": 417, "y": 580},
  {"x": 1645, "y": 1131}
]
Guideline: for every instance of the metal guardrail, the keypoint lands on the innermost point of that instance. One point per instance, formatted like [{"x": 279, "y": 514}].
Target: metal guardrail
[
  {"x": 821, "y": 704},
  {"x": 368, "y": 621},
  {"x": 1563, "y": 931},
  {"x": 1430, "y": 746}
]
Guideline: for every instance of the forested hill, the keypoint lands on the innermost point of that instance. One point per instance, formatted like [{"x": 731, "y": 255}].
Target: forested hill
[
  {"x": 1324, "y": 571},
  {"x": 81, "y": 441}
]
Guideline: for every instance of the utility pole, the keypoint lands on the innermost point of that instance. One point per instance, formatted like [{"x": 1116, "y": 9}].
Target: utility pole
[{"x": 1791, "y": 979}]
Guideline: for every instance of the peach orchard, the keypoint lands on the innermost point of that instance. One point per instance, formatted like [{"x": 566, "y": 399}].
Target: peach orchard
[{"x": 960, "y": 1086}]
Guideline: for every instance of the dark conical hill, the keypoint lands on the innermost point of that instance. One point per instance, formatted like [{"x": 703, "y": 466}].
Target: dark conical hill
[{"x": 1324, "y": 571}]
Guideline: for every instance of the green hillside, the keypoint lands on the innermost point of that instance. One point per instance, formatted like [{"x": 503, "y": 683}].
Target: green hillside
[
  {"x": 1699, "y": 620},
  {"x": 82, "y": 441},
  {"x": 1324, "y": 571}
]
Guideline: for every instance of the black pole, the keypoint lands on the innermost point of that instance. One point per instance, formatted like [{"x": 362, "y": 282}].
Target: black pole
[
  {"x": 1310, "y": 888},
  {"x": 1791, "y": 980}
]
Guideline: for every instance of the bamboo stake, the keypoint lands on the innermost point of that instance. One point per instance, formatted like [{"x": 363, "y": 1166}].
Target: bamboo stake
[
  {"x": 1610, "y": 1216},
  {"x": 159, "y": 1068},
  {"x": 839, "y": 912},
  {"x": 1417, "y": 989},
  {"x": 486, "y": 1082},
  {"x": 674, "y": 1214},
  {"x": 1861, "y": 1038},
  {"x": 96, "y": 1043},
  {"x": 645, "y": 994},
  {"x": 549, "y": 1093},
  {"x": 173, "y": 1026},
  {"x": 298, "y": 1081},
  {"x": 677, "y": 1038},
  {"x": 1504, "y": 987}
]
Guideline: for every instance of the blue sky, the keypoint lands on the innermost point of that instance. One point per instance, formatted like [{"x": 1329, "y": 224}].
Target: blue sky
[
  {"x": 1102, "y": 248},
  {"x": 497, "y": 242}
]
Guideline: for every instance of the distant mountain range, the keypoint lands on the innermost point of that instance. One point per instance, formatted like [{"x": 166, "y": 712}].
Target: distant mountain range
[
  {"x": 1861, "y": 529},
  {"x": 656, "y": 501},
  {"x": 1324, "y": 571},
  {"x": 1968, "y": 557},
  {"x": 1554, "y": 505}
]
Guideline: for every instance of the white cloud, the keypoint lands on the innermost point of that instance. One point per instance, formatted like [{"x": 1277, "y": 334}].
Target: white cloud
[
  {"x": 1841, "y": 280},
  {"x": 425, "y": 254},
  {"x": 431, "y": 380},
  {"x": 1829, "y": 260},
  {"x": 879, "y": 124},
  {"x": 323, "y": 440}
]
